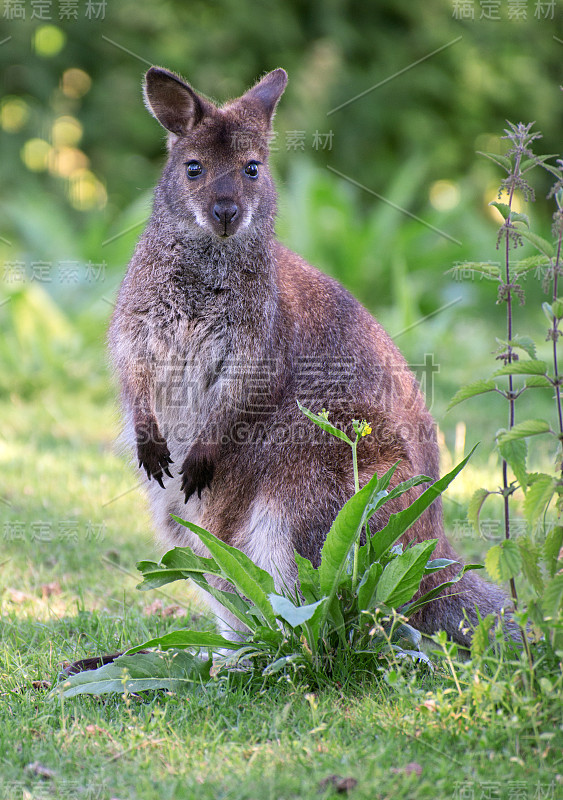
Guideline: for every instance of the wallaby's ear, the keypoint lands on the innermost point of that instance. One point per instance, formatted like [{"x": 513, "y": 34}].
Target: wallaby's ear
[
  {"x": 174, "y": 104},
  {"x": 266, "y": 93}
]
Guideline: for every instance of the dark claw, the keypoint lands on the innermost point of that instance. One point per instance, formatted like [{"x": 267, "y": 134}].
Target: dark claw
[
  {"x": 198, "y": 470},
  {"x": 187, "y": 487},
  {"x": 154, "y": 456}
]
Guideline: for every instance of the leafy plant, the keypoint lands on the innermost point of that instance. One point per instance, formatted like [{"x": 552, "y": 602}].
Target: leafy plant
[
  {"x": 538, "y": 554},
  {"x": 354, "y": 605}
]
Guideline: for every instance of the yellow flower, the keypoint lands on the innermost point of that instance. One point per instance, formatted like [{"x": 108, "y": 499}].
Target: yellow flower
[{"x": 366, "y": 429}]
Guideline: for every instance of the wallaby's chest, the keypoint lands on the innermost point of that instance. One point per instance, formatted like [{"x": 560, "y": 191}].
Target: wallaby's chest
[{"x": 187, "y": 364}]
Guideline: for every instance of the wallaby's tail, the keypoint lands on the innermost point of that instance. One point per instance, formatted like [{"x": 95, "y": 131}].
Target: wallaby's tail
[{"x": 455, "y": 611}]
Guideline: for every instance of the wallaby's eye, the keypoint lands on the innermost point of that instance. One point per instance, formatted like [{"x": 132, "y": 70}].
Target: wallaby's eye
[
  {"x": 251, "y": 169},
  {"x": 194, "y": 169}
]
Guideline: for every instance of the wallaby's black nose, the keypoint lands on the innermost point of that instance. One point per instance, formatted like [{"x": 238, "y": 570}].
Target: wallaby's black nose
[{"x": 225, "y": 211}]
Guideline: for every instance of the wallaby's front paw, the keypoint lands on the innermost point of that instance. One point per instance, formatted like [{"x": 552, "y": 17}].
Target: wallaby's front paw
[
  {"x": 198, "y": 470},
  {"x": 153, "y": 453}
]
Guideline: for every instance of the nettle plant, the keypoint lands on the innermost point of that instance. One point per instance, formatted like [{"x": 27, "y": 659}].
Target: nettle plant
[
  {"x": 353, "y": 607},
  {"x": 538, "y": 554}
]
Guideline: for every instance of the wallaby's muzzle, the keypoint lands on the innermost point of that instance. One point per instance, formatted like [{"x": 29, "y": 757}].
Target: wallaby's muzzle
[{"x": 226, "y": 216}]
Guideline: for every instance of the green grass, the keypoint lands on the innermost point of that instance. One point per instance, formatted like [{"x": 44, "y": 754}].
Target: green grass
[{"x": 275, "y": 744}]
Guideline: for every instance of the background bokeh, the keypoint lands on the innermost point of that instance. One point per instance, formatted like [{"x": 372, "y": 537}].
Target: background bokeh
[{"x": 385, "y": 192}]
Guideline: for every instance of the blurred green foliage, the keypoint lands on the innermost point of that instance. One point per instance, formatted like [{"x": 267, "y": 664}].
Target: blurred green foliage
[{"x": 489, "y": 70}]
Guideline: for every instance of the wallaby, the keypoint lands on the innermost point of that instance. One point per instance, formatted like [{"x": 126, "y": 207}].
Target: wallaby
[{"x": 219, "y": 329}]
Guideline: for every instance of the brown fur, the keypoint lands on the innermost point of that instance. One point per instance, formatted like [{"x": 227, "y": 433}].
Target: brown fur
[{"x": 218, "y": 331}]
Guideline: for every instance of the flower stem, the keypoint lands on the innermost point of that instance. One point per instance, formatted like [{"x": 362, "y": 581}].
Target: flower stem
[
  {"x": 555, "y": 336},
  {"x": 356, "y": 490},
  {"x": 511, "y": 397},
  {"x": 509, "y": 358}
]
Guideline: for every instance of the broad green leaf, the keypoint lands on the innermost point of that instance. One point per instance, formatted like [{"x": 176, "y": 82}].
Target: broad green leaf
[
  {"x": 525, "y": 343},
  {"x": 324, "y": 424},
  {"x": 529, "y": 163},
  {"x": 520, "y": 268},
  {"x": 368, "y": 586},
  {"x": 437, "y": 564},
  {"x": 471, "y": 390},
  {"x": 552, "y": 601},
  {"x": 523, "y": 219},
  {"x": 515, "y": 452},
  {"x": 185, "y": 558},
  {"x": 552, "y": 549},
  {"x": 331, "y": 614},
  {"x": 474, "y": 508},
  {"x": 405, "y": 635},
  {"x": 344, "y": 531},
  {"x": 160, "y": 577},
  {"x": 530, "y": 427},
  {"x": 308, "y": 579},
  {"x": 539, "y": 243},
  {"x": 397, "y": 491},
  {"x": 238, "y": 606},
  {"x": 382, "y": 494},
  {"x": 538, "y": 497},
  {"x": 502, "y": 161},
  {"x": 245, "y": 653},
  {"x": 481, "y": 639},
  {"x": 414, "y": 655},
  {"x": 177, "y": 564},
  {"x": 432, "y": 594},
  {"x": 401, "y": 521},
  {"x": 486, "y": 269},
  {"x": 530, "y": 564},
  {"x": 538, "y": 382},
  {"x": 282, "y": 662},
  {"x": 142, "y": 566},
  {"x": 184, "y": 638},
  {"x": 554, "y": 171},
  {"x": 557, "y": 308},
  {"x": 385, "y": 479},
  {"x": 173, "y": 671},
  {"x": 547, "y": 310},
  {"x": 401, "y": 577},
  {"x": 504, "y": 561},
  {"x": 527, "y": 367},
  {"x": 250, "y": 580},
  {"x": 514, "y": 215},
  {"x": 384, "y": 497},
  {"x": 379, "y": 500},
  {"x": 267, "y": 636},
  {"x": 156, "y": 576},
  {"x": 294, "y": 615}
]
